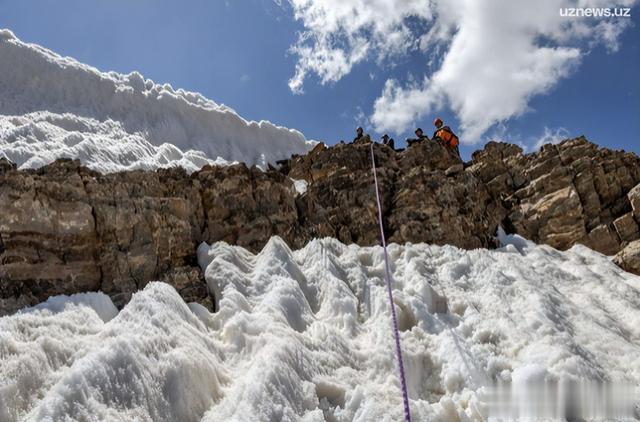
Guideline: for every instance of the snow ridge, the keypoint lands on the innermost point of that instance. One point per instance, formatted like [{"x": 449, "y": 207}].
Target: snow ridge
[
  {"x": 140, "y": 114},
  {"x": 305, "y": 336}
]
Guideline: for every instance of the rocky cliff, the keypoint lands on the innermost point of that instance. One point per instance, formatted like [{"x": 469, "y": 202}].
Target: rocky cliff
[{"x": 65, "y": 228}]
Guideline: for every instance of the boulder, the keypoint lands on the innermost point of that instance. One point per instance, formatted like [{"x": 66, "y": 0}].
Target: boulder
[
  {"x": 603, "y": 239},
  {"x": 626, "y": 227},
  {"x": 634, "y": 199},
  {"x": 629, "y": 258},
  {"x": 454, "y": 169}
]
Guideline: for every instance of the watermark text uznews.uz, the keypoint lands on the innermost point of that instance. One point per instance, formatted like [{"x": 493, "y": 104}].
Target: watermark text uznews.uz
[{"x": 596, "y": 12}]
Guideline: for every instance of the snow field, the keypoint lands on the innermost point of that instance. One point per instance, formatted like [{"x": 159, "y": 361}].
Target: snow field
[
  {"x": 305, "y": 336},
  {"x": 36, "y": 139},
  {"x": 53, "y": 106}
]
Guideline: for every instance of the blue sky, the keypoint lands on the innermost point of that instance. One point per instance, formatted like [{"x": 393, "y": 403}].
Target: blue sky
[{"x": 243, "y": 53}]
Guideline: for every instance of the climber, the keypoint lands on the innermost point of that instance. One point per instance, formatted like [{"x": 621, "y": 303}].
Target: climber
[
  {"x": 420, "y": 136},
  {"x": 388, "y": 141},
  {"x": 361, "y": 138},
  {"x": 445, "y": 136}
]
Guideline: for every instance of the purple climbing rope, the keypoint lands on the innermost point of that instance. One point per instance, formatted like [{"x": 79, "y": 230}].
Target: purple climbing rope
[{"x": 396, "y": 333}]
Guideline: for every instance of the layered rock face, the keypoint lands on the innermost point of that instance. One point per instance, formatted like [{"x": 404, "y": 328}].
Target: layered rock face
[
  {"x": 66, "y": 229},
  {"x": 569, "y": 193},
  {"x": 425, "y": 194}
]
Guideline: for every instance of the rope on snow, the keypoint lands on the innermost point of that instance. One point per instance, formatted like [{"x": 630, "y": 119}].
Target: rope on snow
[{"x": 396, "y": 332}]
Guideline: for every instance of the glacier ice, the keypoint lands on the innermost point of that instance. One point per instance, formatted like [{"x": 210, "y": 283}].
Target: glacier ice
[
  {"x": 305, "y": 336},
  {"x": 53, "y": 106},
  {"x": 36, "y": 139}
]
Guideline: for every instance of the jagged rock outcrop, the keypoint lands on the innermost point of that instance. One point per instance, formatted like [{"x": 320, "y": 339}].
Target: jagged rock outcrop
[
  {"x": 246, "y": 206},
  {"x": 426, "y": 196},
  {"x": 634, "y": 199},
  {"x": 65, "y": 228},
  {"x": 569, "y": 193},
  {"x": 629, "y": 257},
  {"x": 628, "y": 226}
]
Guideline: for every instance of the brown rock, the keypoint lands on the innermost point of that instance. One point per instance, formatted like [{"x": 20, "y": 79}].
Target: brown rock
[
  {"x": 49, "y": 243},
  {"x": 604, "y": 240},
  {"x": 454, "y": 169},
  {"x": 626, "y": 227},
  {"x": 634, "y": 199},
  {"x": 563, "y": 192},
  {"x": 6, "y": 166},
  {"x": 246, "y": 206},
  {"x": 66, "y": 229},
  {"x": 559, "y": 215},
  {"x": 629, "y": 258},
  {"x": 430, "y": 207},
  {"x": 147, "y": 223},
  {"x": 340, "y": 200},
  {"x": 427, "y": 154}
]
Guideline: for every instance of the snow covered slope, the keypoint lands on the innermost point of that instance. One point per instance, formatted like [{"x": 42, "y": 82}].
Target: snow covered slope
[
  {"x": 35, "y": 139},
  {"x": 305, "y": 336},
  {"x": 114, "y": 121}
]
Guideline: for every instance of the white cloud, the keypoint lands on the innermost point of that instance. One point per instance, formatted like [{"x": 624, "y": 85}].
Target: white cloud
[
  {"x": 495, "y": 65},
  {"x": 342, "y": 33},
  {"x": 361, "y": 118},
  {"x": 490, "y": 56},
  {"x": 551, "y": 136},
  {"x": 399, "y": 107}
]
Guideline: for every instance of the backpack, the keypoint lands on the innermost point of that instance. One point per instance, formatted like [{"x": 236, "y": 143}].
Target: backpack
[{"x": 450, "y": 139}]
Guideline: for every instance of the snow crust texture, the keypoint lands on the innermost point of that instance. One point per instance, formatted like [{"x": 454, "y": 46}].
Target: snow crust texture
[
  {"x": 53, "y": 106},
  {"x": 305, "y": 336}
]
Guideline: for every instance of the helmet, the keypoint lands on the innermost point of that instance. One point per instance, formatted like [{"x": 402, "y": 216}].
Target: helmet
[
  {"x": 385, "y": 136},
  {"x": 359, "y": 129},
  {"x": 437, "y": 122},
  {"x": 418, "y": 130}
]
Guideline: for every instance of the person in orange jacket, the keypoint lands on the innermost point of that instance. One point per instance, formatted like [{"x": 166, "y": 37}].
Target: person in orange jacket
[{"x": 445, "y": 135}]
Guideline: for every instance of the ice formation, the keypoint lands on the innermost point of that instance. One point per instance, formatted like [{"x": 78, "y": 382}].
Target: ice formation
[
  {"x": 53, "y": 106},
  {"x": 305, "y": 336},
  {"x": 36, "y": 139}
]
